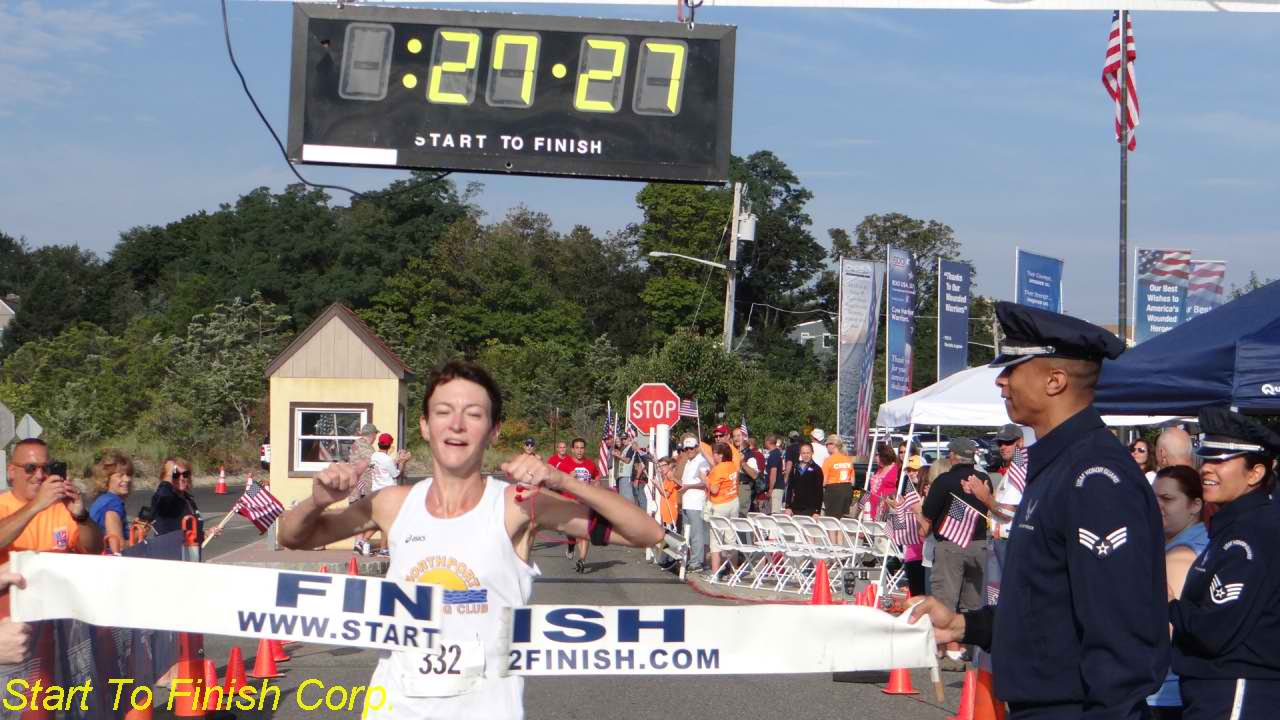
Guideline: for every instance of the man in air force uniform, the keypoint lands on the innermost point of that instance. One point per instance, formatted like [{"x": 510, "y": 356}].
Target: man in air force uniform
[{"x": 1080, "y": 629}]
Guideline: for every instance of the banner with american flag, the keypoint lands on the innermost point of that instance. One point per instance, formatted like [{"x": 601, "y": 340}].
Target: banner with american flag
[
  {"x": 1204, "y": 286},
  {"x": 606, "y": 440},
  {"x": 258, "y": 506},
  {"x": 904, "y": 527},
  {"x": 1160, "y": 291},
  {"x": 961, "y": 520},
  {"x": 1111, "y": 77},
  {"x": 688, "y": 408}
]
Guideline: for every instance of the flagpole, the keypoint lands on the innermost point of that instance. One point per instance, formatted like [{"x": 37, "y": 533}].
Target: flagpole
[{"x": 1123, "y": 323}]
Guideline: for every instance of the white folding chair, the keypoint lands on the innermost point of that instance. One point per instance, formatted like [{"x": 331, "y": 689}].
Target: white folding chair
[
  {"x": 811, "y": 549},
  {"x": 795, "y": 552},
  {"x": 727, "y": 538}
]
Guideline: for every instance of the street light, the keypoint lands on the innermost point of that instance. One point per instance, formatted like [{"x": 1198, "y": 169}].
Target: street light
[
  {"x": 743, "y": 227},
  {"x": 657, "y": 253}
]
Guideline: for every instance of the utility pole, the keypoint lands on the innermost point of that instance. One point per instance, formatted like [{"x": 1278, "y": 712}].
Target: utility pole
[{"x": 731, "y": 288}]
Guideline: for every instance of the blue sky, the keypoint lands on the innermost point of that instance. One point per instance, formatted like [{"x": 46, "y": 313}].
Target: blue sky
[{"x": 124, "y": 113}]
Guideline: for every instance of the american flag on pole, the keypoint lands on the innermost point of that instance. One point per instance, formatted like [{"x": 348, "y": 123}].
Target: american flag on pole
[
  {"x": 258, "y": 505},
  {"x": 1111, "y": 77},
  {"x": 905, "y": 528},
  {"x": 1174, "y": 264},
  {"x": 689, "y": 408},
  {"x": 743, "y": 426},
  {"x": 959, "y": 524},
  {"x": 606, "y": 440},
  {"x": 1017, "y": 474}
]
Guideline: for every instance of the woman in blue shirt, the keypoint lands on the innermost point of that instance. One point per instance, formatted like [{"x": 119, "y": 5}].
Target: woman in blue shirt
[
  {"x": 1182, "y": 508},
  {"x": 113, "y": 477}
]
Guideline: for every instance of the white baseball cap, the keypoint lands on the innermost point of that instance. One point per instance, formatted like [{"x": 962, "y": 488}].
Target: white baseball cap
[
  {"x": 818, "y": 435},
  {"x": 689, "y": 443}
]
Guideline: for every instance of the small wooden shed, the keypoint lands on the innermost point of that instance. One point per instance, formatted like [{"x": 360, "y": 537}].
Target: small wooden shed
[{"x": 332, "y": 379}]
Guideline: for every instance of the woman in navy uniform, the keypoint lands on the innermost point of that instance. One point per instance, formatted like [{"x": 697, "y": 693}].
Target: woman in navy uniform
[
  {"x": 1079, "y": 631},
  {"x": 1226, "y": 624}
]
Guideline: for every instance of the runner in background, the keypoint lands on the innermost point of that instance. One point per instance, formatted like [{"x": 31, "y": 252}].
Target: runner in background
[
  {"x": 585, "y": 471},
  {"x": 469, "y": 534}
]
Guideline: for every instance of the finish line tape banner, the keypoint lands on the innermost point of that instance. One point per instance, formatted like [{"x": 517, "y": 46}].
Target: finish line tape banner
[{"x": 545, "y": 639}]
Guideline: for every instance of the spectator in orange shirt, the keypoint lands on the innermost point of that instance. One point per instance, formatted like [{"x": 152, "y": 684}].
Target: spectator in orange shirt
[
  {"x": 837, "y": 479},
  {"x": 722, "y": 494},
  {"x": 43, "y": 512}
]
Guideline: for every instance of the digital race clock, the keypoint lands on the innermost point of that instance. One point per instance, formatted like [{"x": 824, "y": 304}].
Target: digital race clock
[{"x": 521, "y": 94}]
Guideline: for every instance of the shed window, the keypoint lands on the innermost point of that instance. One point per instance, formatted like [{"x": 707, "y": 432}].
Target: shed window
[
  {"x": 828, "y": 340},
  {"x": 325, "y": 435}
]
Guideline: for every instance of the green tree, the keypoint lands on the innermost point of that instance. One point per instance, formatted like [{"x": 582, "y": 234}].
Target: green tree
[
  {"x": 58, "y": 295},
  {"x": 216, "y": 370},
  {"x": 784, "y": 257}
]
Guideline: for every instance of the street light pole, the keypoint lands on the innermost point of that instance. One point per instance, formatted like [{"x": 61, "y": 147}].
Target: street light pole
[{"x": 731, "y": 289}]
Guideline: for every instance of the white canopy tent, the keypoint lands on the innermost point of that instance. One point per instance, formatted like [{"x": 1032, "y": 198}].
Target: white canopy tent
[{"x": 970, "y": 398}]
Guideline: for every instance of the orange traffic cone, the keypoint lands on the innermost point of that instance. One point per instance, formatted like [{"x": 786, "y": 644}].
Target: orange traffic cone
[
  {"x": 211, "y": 687},
  {"x": 190, "y": 671},
  {"x": 221, "y": 487},
  {"x": 277, "y": 651},
  {"x": 821, "y": 585},
  {"x": 353, "y": 567},
  {"x": 264, "y": 664},
  {"x": 965, "y": 712},
  {"x": 235, "y": 671},
  {"x": 985, "y": 704},
  {"x": 899, "y": 683}
]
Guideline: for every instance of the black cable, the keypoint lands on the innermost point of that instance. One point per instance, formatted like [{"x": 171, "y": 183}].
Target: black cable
[{"x": 231, "y": 55}]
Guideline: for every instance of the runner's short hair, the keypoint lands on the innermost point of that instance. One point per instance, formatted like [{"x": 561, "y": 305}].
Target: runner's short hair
[{"x": 465, "y": 370}]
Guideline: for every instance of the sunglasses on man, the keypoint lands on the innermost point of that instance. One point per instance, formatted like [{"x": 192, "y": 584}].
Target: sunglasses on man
[
  {"x": 185, "y": 474},
  {"x": 32, "y": 468}
]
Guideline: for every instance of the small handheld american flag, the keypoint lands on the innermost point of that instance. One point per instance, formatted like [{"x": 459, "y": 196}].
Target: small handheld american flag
[
  {"x": 959, "y": 524},
  {"x": 1017, "y": 474},
  {"x": 606, "y": 440},
  {"x": 905, "y": 528},
  {"x": 259, "y": 506},
  {"x": 689, "y": 408}
]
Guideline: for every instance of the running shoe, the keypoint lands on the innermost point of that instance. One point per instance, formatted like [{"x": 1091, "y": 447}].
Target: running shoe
[{"x": 580, "y": 567}]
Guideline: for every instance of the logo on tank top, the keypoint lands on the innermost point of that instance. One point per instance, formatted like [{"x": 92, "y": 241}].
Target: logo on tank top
[
  {"x": 61, "y": 539},
  {"x": 582, "y": 474},
  {"x": 463, "y": 593}
]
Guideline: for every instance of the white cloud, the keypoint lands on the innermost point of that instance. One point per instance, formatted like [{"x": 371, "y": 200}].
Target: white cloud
[
  {"x": 38, "y": 35},
  {"x": 881, "y": 22}
]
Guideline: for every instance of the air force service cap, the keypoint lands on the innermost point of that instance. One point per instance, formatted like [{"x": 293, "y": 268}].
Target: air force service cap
[
  {"x": 1225, "y": 434},
  {"x": 1031, "y": 333}
]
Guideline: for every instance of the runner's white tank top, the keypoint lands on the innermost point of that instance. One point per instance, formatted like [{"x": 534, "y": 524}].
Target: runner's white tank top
[{"x": 471, "y": 557}]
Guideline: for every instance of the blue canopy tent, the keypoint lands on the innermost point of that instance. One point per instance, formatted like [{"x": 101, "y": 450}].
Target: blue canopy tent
[{"x": 1229, "y": 356}]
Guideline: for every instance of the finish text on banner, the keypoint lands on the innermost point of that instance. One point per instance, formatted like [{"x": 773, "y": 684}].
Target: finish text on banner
[
  {"x": 954, "y": 279},
  {"x": 1038, "y": 281},
  {"x": 1160, "y": 291},
  {"x": 858, "y": 325},
  {"x": 901, "y": 326},
  {"x": 690, "y": 640},
  {"x": 227, "y": 600}
]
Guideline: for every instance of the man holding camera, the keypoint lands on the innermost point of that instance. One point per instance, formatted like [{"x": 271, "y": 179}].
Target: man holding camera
[{"x": 43, "y": 510}]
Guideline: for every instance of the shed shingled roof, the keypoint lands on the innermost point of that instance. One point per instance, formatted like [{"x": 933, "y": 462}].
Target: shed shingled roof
[{"x": 357, "y": 326}]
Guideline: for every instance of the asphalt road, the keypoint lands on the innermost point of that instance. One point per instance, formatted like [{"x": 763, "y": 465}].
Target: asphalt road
[{"x": 616, "y": 576}]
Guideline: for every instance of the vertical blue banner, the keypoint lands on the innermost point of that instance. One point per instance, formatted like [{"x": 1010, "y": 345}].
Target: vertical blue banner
[
  {"x": 1038, "y": 281},
  {"x": 860, "y": 291},
  {"x": 901, "y": 324},
  {"x": 954, "y": 279},
  {"x": 1204, "y": 286},
  {"x": 1159, "y": 291}
]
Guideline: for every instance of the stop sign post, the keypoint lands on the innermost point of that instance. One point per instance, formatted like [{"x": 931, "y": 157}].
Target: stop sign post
[{"x": 651, "y": 405}]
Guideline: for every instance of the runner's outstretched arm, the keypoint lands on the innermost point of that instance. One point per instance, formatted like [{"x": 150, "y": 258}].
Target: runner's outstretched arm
[{"x": 306, "y": 525}]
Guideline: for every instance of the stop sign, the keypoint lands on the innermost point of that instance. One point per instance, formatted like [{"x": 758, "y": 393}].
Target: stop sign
[{"x": 651, "y": 405}]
